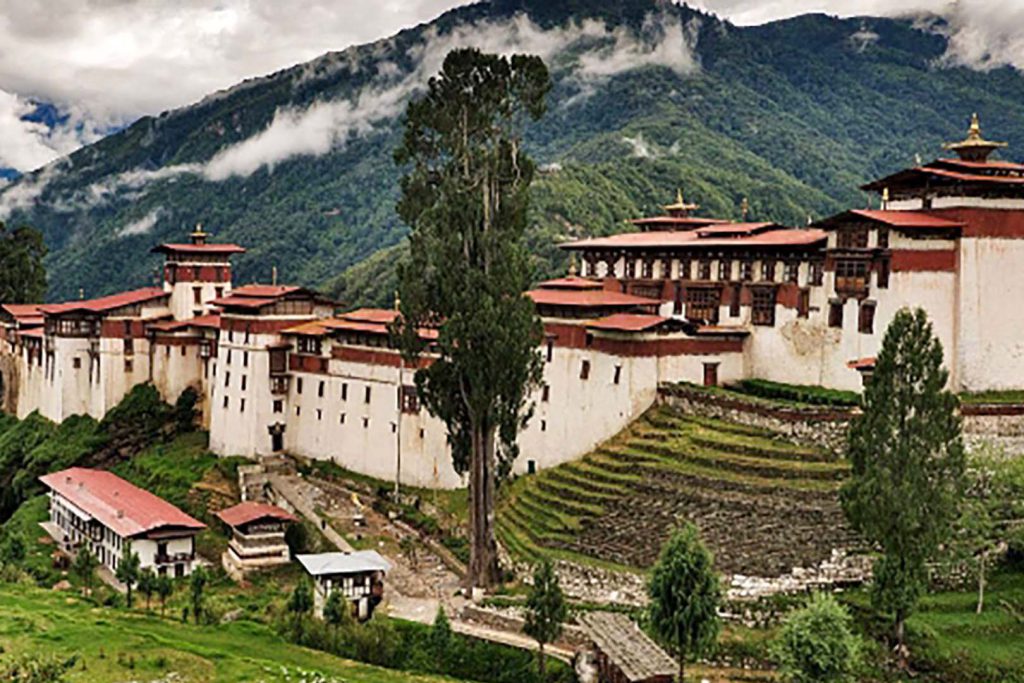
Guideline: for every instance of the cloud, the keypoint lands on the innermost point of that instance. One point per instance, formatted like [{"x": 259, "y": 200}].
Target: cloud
[
  {"x": 24, "y": 193},
  {"x": 602, "y": 53},
  {"x": 143, "y": 225}
]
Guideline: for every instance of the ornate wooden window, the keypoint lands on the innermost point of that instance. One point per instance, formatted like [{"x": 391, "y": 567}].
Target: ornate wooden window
[
  {"x": 817, "y": 273},
  {"x": 882, "y": 280},
  {"x": 410, "y": 399},
  {"x": 852, "y": 237},
  {"x": 310, "y": 345},
  {"x": 792, "y": 272},
  {"x": 704, "y": 269},
  {"x": 734, "y": 302},
  {"x": 585, "y": 369},
  {"x": 647, "y": 268},
  {"x": 630, "y": 266},
  {"x": 768, "y": 271},
  {"x": 702, "y": 304},
  {"x": 883, "y": 238},
  {"x": 866, "y": 318},
  {"x": 762, "y": 310},
  {"x": 746, "y": 270},
  {"x": 851, "y": 276},
  {"x": 666, "y": 268},
  {"x": 684, "y": 269},
  {"x": 803, "y": 303},
  {"x": 725, "y": 270}
]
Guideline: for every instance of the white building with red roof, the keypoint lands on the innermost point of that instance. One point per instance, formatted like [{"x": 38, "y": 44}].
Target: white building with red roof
[
  {"x": 102, "y": 512},
  {"x": 257, "y": 537}
]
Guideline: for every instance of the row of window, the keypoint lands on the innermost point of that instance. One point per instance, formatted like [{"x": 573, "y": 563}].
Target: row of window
[
  {"x": 865, "y": 316},
  {"x": 725, "y": 270}
]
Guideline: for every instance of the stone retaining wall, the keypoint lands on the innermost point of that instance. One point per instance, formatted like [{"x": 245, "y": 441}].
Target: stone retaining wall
[{"x": 823, "y": 427}]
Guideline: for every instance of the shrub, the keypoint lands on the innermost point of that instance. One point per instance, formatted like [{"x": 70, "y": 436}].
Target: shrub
[
  {"x": 798, "y": 393},
  {"x": 817, "y": 644}
]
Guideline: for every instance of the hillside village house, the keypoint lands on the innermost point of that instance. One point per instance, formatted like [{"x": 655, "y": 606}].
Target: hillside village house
[
  {"x": 257, "y": 537},
  {"x": 358, "y": 575},
  {"x": 682, "y": 298},
  {"x": 100, "y": 511}
]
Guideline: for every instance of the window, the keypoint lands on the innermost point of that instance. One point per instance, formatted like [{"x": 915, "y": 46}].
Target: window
[
  {"x": 231, "y": 335},
  {"x": 229, "y": 357},
  {"x": 278, "y": 406},
  {"x": 666, "y": 268},
  {"x": 882, "y": 279},
  {"x": 241, "y": 408},
  {"x": 684, "y": 269},
  {"x": 219, "y": 292},
  {"x": 227, "y": 379},
  {"x": 76, "y": 363},
  {"x": 545, "y": 393},
  {"x": 852, "y": 237},
  {"x": 543, "y": 425},
  {"x": 763, "y": 306},
  {"x": 792, "y": 272},
  {"x": 866, "y": 318},
  {"x": 883, "y": 238},
  {"x": 852, "y": 276},
  {"x": 341, "y": 419},
  {"x": 129, "y": 346},
  {"x": 298, "y": 411},
  {"x": 344, "y": 391},
  {"x": 647, "y": 269},
  {"x": 319, "y": 414},
  {"x": 197, "y": 295},
  {"x": 630, "y": 267},
  {"x": 551, "y": 349},
  {"x": 225, "y": 403},
  {"x": 183, "y": 350},
  {"x": 803, "y": 303},
  {"x": 734, "y": 301},
  {"x": 585, "y": 369},
  {"x": 835, "y": 314},
  {"x": 320, "y": 389},
  {"x": 618, "y": 374},
  {"x": 243, "y": 382},
  {"x": 704, "y": 270},
  {"x": 768, "y": 271},
  {"x": 746, "y": 270},
  {"x": 366, "y": 422},
  {"x": 366, "y": 396},
  {"x": 817, "y": 273},
  {"x": 245, "y": 359},
  {"x": 410, "y": 400},
  {"x": 702, "y": 304},
  {"x": 298, "y": 385},
  {"x": 246, "y": 334},
  {"x": 725, "y": 270}
]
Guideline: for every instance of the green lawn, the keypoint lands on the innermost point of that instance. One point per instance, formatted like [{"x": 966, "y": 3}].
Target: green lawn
[{"x": 116, "y": 645}]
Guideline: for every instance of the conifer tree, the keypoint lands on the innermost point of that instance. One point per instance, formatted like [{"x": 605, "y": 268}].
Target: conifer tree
[
  {"x": 907, "y": 460},
  {"x": 197, "y": 587},
  {"x": 128, "y": 570},
  {"x": 164, "y": 588},
  {"x": 684, "y": 594},
  {"x": 817, "y": 644},
  {"x": 465, "y": 197},
  {"x": 84, "y": 567},
  {"x": 22, "y": 274},
  {"x": 337, "y": 610},
  {"x": 439, "y": 641},
  {"x": 545, "y": 610},
  {"x": 147, "y": 584}
]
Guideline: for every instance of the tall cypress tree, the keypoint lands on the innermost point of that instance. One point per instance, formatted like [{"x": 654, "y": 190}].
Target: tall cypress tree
[
  {"x": 465, "y": 197},
  {"x": 907, "y": 460},
  {"x": 22, "y": 274}
]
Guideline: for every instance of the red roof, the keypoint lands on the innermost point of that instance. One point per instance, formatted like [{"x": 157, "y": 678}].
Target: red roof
[
  {"x": 372, "y": 315},
  {"x": 206, "y": 321},
  {"x": 783, "y": 237},
  {"x": 112, "y": 501},
  {"x": 682, "y": 221},
  {"x": 263, "y": 291},
  {"x": 628, "y": 322},
  {"x": 862, "y": 364},
  {"x": 571, "y": 282},
  {"x": 986, "y": 165},
  {"x": 587, "y": 298},
  {"x": 906, "y": 219},
  {"x": 250, "y": 511},
  {"x": 243, "y": 301},
  {"x": 225, "y": 249},
  {"x": 32, "y": 332},
  {"x": 735, "y": 229},
  {"x": 23, "y": 310},
  {"x": 107, "y": 303}
]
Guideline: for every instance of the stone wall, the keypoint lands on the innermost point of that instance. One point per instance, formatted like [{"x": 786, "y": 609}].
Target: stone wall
[
  {"x": 1001, "y": 426},
  {"x": 823, "y": 427}
]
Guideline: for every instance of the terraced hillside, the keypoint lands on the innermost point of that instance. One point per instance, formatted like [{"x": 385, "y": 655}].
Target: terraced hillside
[{"x": 763, "y": 504}]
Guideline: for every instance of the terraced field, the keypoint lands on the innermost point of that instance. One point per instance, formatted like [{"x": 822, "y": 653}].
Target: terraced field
[{"x": 762, "y": 503}]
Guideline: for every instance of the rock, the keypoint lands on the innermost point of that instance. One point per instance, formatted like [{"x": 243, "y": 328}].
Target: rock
[{"x": 63, "y": 585}]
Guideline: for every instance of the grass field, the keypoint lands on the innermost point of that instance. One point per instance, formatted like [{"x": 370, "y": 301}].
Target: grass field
[
  {"x": 763, "y": 503},
  {"x": 116, "y": 645}
]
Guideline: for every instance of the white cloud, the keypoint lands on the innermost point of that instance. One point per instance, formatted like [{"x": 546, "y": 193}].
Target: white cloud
[
  {"x": 24, "y": 193},
  {"x": 143, "y": 225}
]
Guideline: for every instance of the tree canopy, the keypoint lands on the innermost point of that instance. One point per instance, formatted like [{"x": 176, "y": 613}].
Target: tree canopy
[
  {"x": 465, "y": 196},
  {"x": 907, "y": 460},
  {"x": 816, "y": 643},
  {"x": 22, "y": 274},
  {"x": 545, "y": 609}
]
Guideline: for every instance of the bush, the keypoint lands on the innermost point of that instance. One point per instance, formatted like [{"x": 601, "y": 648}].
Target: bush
[
  {"x": 798, "y": 393},
  {"x": 817, "y": 644}
]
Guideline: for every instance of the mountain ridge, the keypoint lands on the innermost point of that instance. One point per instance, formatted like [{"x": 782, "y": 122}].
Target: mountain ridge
[{"x": 648, "y": 96}]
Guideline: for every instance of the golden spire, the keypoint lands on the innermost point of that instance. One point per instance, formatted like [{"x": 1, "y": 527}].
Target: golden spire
[
  {"x": 572, "y": 264},
  {"x": 744, "y": 209},
  {"x": 974, "y": 147},
  {"x": 273, "y": 275},
  {"x": 199, "y": 235},
  {"x": 680, "y": 209},
  {"x": 885, "y": 198},
  {"x": 398, "y": 301}
]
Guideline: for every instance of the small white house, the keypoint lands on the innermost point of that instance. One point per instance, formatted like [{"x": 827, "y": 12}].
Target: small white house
[
  {"x": 359, "y": 576},
  {"x": 101, "y": 511}
]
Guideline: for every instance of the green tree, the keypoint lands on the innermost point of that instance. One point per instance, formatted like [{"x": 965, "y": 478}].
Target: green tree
[
  {"x": 301, "y": 601},
  {"x": 84, "y": 567},
  {"x": 439, "y": 641},
  {"x": 465, "y": 196},
  {"x": 128, "y": 570},
  {"x": 147, "y": 584},
  {"x": 907, "y": 461},
  {"x": 545, "y": 610},
  {"x": 337, "y": 610},
  {"x": 817, "y": 643},
  {"x": 36, "y": 668},
  {"x": 684, "y": 594},
  {"x": 197, "y": 588},
  {"x": 164, "y": 588},
  {"x": 13, "y": 550},
  {"x": 22, "y": 274}
]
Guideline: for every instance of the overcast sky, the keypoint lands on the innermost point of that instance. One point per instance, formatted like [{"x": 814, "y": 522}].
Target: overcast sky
[{"x": 107, "y": 62}]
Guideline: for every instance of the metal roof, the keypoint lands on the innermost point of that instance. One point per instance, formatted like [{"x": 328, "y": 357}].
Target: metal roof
[
  {"x": 324, "y": 564},
  {"x": 621, "y": 640}
]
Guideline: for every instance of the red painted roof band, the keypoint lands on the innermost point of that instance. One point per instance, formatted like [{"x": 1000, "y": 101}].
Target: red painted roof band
[{"x": 250, "y": 511}]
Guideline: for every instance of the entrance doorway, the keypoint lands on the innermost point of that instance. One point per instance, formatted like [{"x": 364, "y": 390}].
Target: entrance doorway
[
  {"x": 277, "y": 441},
  {"x": 711, "y": 374}
]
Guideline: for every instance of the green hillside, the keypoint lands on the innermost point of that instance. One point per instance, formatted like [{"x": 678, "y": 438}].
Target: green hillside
[
  {"x": 763, "y": 504},
  {"x": 794, "y": 115}
]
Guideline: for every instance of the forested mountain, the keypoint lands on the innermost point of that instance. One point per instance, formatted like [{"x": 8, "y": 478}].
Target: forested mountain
[{"x": 297, "y": 166}]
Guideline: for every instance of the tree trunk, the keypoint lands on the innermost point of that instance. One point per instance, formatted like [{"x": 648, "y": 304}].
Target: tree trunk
[
  {"x": 682, "y": 669},
  {"x": 899, "y": 630},
  {"x": 541, "y": 664},
  {"x": 483, "y": 551},
  {"x": 981, "y": 584}
]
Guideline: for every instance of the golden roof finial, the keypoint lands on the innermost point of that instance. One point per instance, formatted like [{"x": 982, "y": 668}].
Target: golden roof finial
[
  {"x": 572, "y": 264},
  {"x": 199, "y": 235},
  {"x": 679, "y": 196},
  {"x": 885, "y": 198},
  {"x": 680, "y": 208},
  {"x": 974, "y": 147},
  {"x": 273, "y": 275},
  {"x": 398, "y": 301},
  {"x": 744, "y": 209}
]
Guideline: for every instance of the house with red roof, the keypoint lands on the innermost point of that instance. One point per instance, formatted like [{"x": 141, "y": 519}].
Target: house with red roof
[
  {"x": 257, "y": 537},
  {"x": 101, "y": 512}
]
